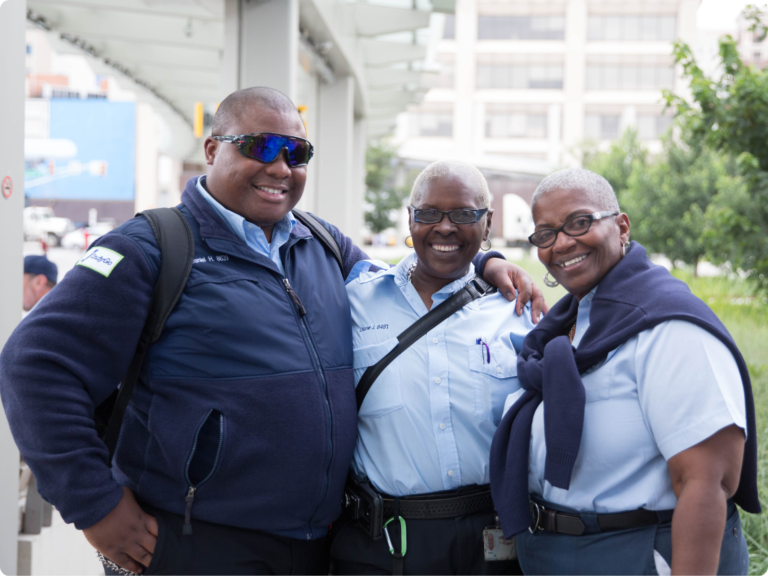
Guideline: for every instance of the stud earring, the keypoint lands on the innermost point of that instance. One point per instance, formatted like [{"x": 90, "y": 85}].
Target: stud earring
[{"x": 549, "y": 282}]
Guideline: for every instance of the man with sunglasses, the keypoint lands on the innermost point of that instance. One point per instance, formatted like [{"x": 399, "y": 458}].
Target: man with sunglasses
[{"x": 236, "y": 444}]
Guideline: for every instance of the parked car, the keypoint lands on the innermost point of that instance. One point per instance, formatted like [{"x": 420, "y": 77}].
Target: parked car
[
  {"x": 40, "y": 223},
  {"x": 83, "y": 237}
]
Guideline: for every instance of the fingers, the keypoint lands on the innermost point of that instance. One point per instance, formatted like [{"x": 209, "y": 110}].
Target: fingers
[
  {"x": 125, "y": 561},
  {"x": 141, "y": 554},
  {"x": 524, "y": 287},
  {"x": 150, "y": 523},
  {"x": 538, "y": 305}
]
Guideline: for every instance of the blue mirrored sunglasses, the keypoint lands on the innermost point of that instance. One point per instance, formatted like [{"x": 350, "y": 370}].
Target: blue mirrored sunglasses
[{"x": 266, "y": 147}]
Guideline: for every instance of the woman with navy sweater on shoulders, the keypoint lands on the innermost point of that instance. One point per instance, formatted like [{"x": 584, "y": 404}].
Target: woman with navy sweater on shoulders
[{"x": 635, "y": 417}]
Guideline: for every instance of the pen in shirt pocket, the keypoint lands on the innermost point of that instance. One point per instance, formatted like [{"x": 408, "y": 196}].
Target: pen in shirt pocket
[{"x": 485, "y": 350}]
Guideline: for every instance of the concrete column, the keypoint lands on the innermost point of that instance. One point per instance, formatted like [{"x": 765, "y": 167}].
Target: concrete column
[
  {"x": 575, "y": 72},
  {"x": 261, "y": 45},
  {"x": 335, "y": 154},
  {"x": 628, "y": 119},
  {"x": 466, "y": 37},
  {"x": 13, "y": 23},
  {"x": 355, "y": 202},
  {"x": 554, "y": 134},
  {"x": 146, "y": 158}
]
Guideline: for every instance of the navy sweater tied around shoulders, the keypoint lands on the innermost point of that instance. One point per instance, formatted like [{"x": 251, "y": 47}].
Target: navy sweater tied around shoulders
[{"x": 634, "y": 296}]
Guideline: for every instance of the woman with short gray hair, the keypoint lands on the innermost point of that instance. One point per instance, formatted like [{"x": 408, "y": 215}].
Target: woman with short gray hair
[{"x": 635, "y": 410}]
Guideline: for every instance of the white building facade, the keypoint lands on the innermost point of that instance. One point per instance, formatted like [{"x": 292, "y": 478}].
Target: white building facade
[{"x": 524, "y": 84}]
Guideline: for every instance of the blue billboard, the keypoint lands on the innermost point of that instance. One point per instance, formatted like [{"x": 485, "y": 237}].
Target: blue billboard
[{"x": 105, "y": 135}]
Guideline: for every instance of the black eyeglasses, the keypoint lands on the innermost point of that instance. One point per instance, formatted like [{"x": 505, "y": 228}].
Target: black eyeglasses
[
  {"x": 576, "y": 226},
  {"x": 432, "y": 216},
  {"x": 266, "y": 147}
]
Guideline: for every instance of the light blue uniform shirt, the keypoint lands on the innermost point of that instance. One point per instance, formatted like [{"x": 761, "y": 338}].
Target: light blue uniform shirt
[
  {"x": 661, "y": 392},
  {"x": 428, "y": 420},
  {"x": 252, "y": 234}
]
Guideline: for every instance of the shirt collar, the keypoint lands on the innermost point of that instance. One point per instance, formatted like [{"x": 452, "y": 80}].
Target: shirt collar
[
  {"x": 400, "y": 272},
  {"x": 237, "y": 222}
]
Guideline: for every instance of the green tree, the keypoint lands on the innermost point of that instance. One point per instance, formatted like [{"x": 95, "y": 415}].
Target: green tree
[
  {"x": 729, "y": 112},
  {"x": 381, "y": 194},
  {"x": 667, "y": 199},
  {"x": 617, "y": 163}
]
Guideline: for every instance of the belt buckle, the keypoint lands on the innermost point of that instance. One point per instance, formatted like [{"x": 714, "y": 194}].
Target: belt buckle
[{"x": 535, "y": 526}]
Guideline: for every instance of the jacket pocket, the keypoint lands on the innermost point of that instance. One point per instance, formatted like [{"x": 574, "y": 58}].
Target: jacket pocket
[
  {"x": 385, "y": 394},
  {"x": 494, "y": 376},
  {"x": 203, "y": 459}
]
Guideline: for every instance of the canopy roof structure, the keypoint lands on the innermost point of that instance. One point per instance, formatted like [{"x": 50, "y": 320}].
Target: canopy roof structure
[{"x": 171, "y": 53}]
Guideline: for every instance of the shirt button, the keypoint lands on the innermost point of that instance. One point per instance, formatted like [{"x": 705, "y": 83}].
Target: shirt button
[
  {"x": 437, "y": 380},
  {"x": 435, "y": 340},
  {"x": 442, "y": 426},
  {"x": 498, "y": 368},
  {"x": 450, "y": 472}
]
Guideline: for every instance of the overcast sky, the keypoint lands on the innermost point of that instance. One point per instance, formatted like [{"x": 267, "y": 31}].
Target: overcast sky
[{"x": 721, "y": 14}]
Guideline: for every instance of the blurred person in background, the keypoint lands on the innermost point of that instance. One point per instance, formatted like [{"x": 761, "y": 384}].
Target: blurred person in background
[
  {"x": 636, "y": 409},
  {"x": 238, "y": 438},
  {"x": 40, "y": 276},
  {"x": 426, "y": 425}
]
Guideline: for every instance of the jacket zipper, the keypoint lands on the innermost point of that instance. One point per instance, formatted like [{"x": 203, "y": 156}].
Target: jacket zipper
[
  {"x": 190, "y": 497},
  {"x": 302, "y": 312}
]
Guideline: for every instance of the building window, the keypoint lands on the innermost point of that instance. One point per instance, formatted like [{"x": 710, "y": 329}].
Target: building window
[
  {"x": 651, "y": 126},
  {"x": 629, "y": 77},
  {"x": 758, "y": 36},
  {"x": 449, "y": 31},
  {"x": 29, "y": 49},
  {"x": 506, "y": 71},
  {"x": 434, "y": 120},
  {"x": 601, "y": 126},
  {"x": 502, "y": 121},
  {"x": 630, "y": 28},
  {"x": 520, "y": 27},
  {"x": 445, "y": 78},
  {"x": 757, "y": 56}
]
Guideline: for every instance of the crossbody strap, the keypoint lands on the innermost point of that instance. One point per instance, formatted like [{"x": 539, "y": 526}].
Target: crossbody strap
[
  {"x": 177, "y": 250},
  {"x": 475, "y": 288}
]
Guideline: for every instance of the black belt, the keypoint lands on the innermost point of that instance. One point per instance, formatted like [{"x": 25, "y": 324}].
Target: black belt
[
  {"x": 558, "y": 522},
  {"x": 441, "y": 505}
]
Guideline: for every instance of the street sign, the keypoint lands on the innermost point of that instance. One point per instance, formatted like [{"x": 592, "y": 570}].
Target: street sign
[{"x": 7, "y": 187}]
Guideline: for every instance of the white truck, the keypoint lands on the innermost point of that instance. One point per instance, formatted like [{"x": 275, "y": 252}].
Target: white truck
[
  {"x": 518, "y": 221},
  {"x": 40, "y": 223}
]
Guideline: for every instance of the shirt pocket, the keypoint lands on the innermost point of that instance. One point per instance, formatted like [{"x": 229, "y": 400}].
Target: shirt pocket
[
  {"x": 385, "y": 395},
  {"x": 493, "y": 380},
  {"x": 597, "y": 380}
]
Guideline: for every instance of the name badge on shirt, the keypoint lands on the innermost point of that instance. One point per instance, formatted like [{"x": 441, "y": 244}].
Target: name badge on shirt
[{"x": 496, "y": 547}]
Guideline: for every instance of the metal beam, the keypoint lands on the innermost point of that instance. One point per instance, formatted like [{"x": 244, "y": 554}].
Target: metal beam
[
  {"x": 371, "y": 20},
  {"x": 381, "y": 53},
  {"x": 160, "y": 30}
]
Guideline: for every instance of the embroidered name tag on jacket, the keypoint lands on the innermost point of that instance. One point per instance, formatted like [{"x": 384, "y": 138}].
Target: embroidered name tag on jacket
[{"x": 102, "y": 260}]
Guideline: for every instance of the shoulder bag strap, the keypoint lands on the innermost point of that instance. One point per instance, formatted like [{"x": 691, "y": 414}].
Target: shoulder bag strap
[
  {"x": 321, "y": 233},
  {"x": 475, "y": 288},
  {"x": 177, "y": 249}
]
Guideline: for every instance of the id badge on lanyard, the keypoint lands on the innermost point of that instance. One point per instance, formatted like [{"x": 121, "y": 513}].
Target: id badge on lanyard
[{"x": 495, "y": 546}]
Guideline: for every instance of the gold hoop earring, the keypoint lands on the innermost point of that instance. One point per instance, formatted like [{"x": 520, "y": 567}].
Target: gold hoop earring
[
  {"x": 409, "y": 241},
  {"x": 549, "y": 282},
  {"x": 489, "y": 245}
]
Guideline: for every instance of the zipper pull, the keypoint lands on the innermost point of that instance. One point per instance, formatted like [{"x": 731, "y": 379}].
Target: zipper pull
[
  {"x": 294, "y": 297},
  {"x": 189, "y": 498}
]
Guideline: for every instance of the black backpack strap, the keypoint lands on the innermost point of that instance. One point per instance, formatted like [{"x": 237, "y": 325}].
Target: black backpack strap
[
  {"x": 177, "y": 249},
  {"x": 475, "y": 288},
  {"x": 321, "y": 233}
]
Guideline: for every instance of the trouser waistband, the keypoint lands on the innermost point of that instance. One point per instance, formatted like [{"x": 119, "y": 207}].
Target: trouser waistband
[{"x": 546, "y": 518}]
